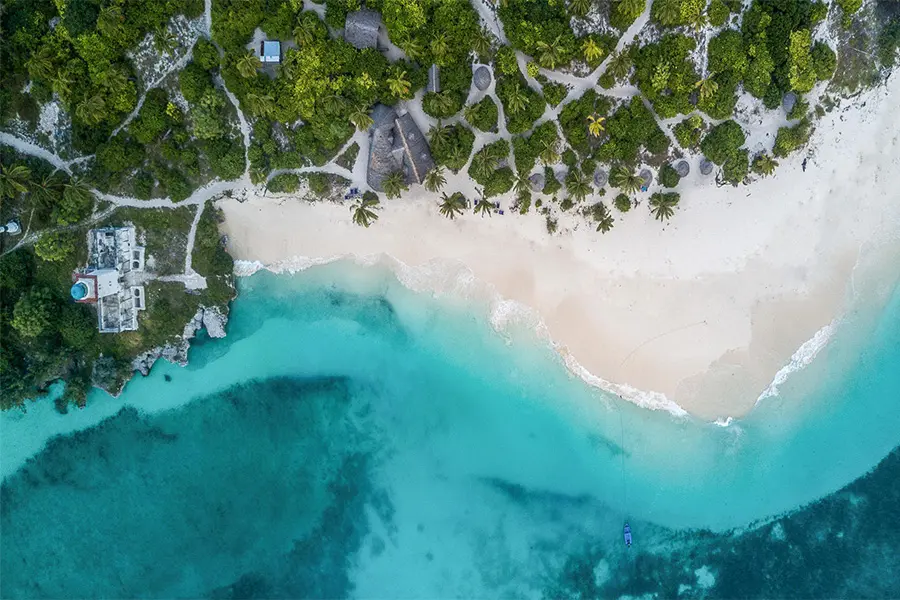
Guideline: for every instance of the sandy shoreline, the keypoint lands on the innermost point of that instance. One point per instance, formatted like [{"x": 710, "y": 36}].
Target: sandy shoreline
[{"x": 705, "y": 309}]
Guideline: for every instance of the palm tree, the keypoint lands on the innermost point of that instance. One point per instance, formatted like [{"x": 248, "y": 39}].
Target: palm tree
[
  {"x": 591, "y": 50},
  {"x": 442, "y": 103},
  {"x": 452, "y": 205},
  {"x": 110, "y": 20},
  {"x": 483, "y": 163},
  {"x": 550, "y": 152},
  {"x": 62, "y": 83},
  {"x": 46, "y": 191},
  {"x": 394, "y": 184},
  {"x": 434, "y": 179},
  {"x": 40, "y": 65},
  {"x": 550, "y": 53},
  {"x": 14, "y": 180},
  {"x": 764, "y": 165},
  {"x": 483, "y": 206},
  {"x": 632, "y": 7},
  {"x": 364, "y": 211},
  {"x": 260, "y": 104},
  {"x": 699, "y": 20},
  {"x": 522, "y": 183},
  {"x": 398, "y": 84},
  {"x": 668, "y": 12},
  {"x": 248, "y": 64},
  {"x": 595, "y": 124},
  {"x": 305, "y": 32},
  {"x": 516, "y": 101},
  {"x": 578, "y": 186},
  {"x": 112, "y": 79},
  {"x": 164, "y": 40},
  {"x": 482, "y": 42},
  {"x": 625, "y": 179},
  {"x": 619, "y": 64},
  {"x": 440, "y": 48},
  {"x": 707, "y": 87},
  {"x": 332, "y": 104},
  {"x": 92, "y": 110},
  {"x": 662, "y": 206},
  {"x": 457, "y": 156},
  {"x": 412, "y": 47},
  {"x": 439, "y": 135},
  {"x": 361, "y": 119},
  {"x": 579, "y": 8},
  {"x": 76, "y": 191},
  {"x": 603, "y": 217}
]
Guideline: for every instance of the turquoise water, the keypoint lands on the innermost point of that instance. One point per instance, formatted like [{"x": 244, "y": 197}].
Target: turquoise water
[{"x": 352, "y": 438}]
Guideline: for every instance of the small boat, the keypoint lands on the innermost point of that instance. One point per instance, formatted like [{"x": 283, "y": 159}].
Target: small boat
[{"x": 627, "y": 535}]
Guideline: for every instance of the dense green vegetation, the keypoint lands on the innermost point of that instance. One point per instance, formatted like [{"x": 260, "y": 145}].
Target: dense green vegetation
[
  {"x": 483, "y": 115},
  {"x": 451, "y": 145}
]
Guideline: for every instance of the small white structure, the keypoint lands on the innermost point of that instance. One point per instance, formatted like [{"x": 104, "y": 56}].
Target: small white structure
[
  {"x": 113, "y": 279},
  {"x": 11, "y": 228}
]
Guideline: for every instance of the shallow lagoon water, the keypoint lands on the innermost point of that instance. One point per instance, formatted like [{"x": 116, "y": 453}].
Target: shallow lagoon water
[{"x": 352, "y": 438}]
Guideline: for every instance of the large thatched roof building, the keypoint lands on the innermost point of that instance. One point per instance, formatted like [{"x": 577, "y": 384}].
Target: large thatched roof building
[
  {"x": 361, "y": 28},
  {"x": 397, "y": 144}
]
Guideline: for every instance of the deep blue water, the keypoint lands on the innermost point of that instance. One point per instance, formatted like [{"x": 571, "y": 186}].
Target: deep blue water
[{"x": 350, "y": 438}]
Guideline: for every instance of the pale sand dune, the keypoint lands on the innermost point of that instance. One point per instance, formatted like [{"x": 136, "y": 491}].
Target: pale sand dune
[{"x": 705, "y": 309}]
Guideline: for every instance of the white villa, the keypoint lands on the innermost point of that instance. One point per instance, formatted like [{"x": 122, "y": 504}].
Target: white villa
[{"x": 113, "y": 279}]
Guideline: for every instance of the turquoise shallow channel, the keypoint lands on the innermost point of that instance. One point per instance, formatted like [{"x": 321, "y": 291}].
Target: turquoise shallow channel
[{"x": 351, "y": 438}]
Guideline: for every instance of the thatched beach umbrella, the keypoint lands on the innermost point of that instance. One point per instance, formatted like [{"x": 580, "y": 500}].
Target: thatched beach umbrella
[
  {"x": 482, "y": 78},
  {"x": 788, "y": 101},
  {"x": 647, "y": 176},
  {"x": 601, "y": 178},
  {"x": 682, "y": 168},
  {"x": 706, "y": 166},
  {"x": 537, "y": 182}
]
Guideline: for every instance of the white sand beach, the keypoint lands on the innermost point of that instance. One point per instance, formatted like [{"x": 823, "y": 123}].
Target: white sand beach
[{"x": 704, "y": 309}]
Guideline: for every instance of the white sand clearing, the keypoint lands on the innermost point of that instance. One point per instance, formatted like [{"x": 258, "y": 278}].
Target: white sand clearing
[{"x": 702, "y": 311}]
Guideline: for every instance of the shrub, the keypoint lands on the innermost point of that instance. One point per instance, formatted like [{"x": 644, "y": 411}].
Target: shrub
[
  {"x": 624, "y": 13},
  {"x": 718, "y": 13},
  {"x": 849, "y": 8},
  {"x": 506, "y": 61},
  {"x": 551, "y": 183},
  {"x": 285, "y": 183},
  {"x": 554, "y": 93},
  {"x": 622, "y": 202},
  {"x": 824, "y": 60},
  {"x": 668, "y": 176},
  {"x": 483, "y": 115},
  {"x": 519, "y": 120},
  {"x": 629, "y": 128},
  {"x": 318, "y": 184},
  {"x": 142, "y": 185},
  {"x": 736, "y": 167},
  {"x": 689, "y": 131},
  {"x": 452, "y": 146},
  {"x": 205, "y": 54},
  {"x": 35, "y": 313},
  {"x": 55, "y": 246},
  {"x": 723, "y": 142},
  {"x": 789, "y": 139},
  {"x": 194, "y": 81},
  {"x": 152, "y": 121}
]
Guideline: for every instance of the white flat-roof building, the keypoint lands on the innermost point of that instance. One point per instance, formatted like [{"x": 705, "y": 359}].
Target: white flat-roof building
[{"x": 113, "y": 279}]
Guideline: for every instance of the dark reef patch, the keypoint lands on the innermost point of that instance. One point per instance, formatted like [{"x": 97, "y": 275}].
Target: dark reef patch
[
  {"x": 257, "y": 491},
  {"x": 846, "y": 545}
]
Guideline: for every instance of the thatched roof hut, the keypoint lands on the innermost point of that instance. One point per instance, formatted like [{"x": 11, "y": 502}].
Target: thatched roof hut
[
  {"x": 706, "y": 166},
  {"x": 682, "y": 168},
  {"x": 361, "y": 28},
  {"x": 482, "y": 78}
]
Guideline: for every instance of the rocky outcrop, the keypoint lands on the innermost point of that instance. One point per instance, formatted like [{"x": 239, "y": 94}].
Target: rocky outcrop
[{"x": 212, "y": 319}]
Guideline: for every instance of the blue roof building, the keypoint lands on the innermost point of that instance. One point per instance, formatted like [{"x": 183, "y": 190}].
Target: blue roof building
[{"x": 270, "y": 52}]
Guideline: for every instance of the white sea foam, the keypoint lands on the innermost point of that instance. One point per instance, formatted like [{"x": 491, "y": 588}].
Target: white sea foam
[
  {"x": 723, "y": 422},
  {"x": 800, "y": 359},
  {"x": 457, "y": 280}
]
